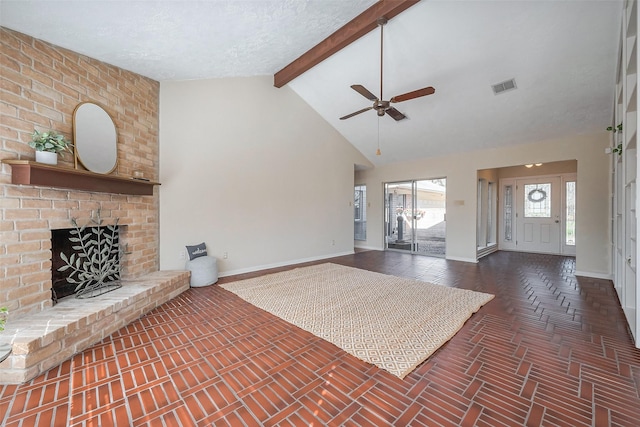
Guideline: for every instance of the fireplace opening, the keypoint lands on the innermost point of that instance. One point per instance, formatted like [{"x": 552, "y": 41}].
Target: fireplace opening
[{"x": 101, "y": 244}]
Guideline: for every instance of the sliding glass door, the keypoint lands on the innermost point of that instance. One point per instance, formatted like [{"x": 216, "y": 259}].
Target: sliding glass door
[
  {"x": 399, "y": 223},
  {"x": 415, "y": 216}
]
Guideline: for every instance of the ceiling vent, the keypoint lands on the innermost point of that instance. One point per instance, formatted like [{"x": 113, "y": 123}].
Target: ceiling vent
[{"x": 504, "y": 86}]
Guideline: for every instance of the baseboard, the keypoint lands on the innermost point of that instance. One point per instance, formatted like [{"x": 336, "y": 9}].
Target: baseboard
[
  {"x": 321, "y": 257},
  {"x": 455, "y": 258},
  {"x": 594, "y": 275},
  {"x": 280, "y": 264},
  {"x": 370, "y": 248}
]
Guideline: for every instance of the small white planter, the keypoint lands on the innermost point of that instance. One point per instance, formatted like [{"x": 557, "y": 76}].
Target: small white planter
[{"x": 47, "y": 157}]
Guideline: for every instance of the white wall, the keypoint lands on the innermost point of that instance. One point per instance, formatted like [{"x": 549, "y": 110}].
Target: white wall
[
  {"x": 552, "y": 168},
  {"x": 593, "y": 224},
  {"x": 253, "y": 171}
]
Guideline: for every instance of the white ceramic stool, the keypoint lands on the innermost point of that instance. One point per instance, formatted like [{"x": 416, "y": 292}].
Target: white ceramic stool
[{"x": 204, "y": 271}]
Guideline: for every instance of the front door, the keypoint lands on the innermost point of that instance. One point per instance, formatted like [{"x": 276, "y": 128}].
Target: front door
[{"x": 538, "y": 216}]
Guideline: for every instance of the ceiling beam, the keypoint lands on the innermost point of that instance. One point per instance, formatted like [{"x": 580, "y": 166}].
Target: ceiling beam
[{"x": 350, "y": 32}]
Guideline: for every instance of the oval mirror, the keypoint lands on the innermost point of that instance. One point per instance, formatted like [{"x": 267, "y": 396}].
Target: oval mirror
[{"x": 95, "y": 138}]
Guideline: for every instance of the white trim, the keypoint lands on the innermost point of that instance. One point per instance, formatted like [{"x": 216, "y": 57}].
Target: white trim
[
  {"x": 281, "y": 264},
  {"x": 455, "y": 258},
  {"x": 487, "y": 250},
  {"x": 606, "y": 276},
  {"x": 371, "y": 248}
]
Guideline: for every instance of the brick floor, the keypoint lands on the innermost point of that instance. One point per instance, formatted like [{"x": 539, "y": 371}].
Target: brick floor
[{"x": 550, "y": 349}]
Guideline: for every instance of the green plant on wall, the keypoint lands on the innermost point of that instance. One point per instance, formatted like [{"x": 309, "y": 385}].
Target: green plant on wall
[
  {"x": 95, "y": 267},
  {"x": 615, "y": 129},
  {"x": 618, "y": 148}
]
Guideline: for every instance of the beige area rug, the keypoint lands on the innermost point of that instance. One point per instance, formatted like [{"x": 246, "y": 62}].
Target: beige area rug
[{"x": 391, "y": 322}]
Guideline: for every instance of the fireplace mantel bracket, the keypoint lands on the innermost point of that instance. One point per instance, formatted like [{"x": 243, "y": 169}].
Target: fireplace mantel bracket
[{"x": 32, "y": 173}]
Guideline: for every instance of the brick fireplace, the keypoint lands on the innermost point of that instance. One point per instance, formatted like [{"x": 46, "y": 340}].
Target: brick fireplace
[{"x": 41, "y": 84}]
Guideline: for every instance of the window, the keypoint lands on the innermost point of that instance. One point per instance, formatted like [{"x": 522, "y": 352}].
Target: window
[
  {"x": 360, "y": 212},
  {"x": 508, "y": 213},
  {"x": 357, "y": 203},
  {"x": 570, "y": 214},
  {"x": 537, "y": 200},
  {"x": 491, "y": 214},
  {"x": 487, "y": 203}
]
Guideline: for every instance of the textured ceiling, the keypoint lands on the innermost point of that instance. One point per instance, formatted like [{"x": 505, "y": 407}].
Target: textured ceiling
[
  {"x": 184, "y": 39},
  {"x": 562, "y": 55}
]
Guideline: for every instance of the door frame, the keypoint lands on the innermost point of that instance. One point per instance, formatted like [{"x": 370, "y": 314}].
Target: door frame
[
  {"x": 503, "y": 243},
  {"x": 414, "y": 188},
  {"x": 388, "y": 220}
]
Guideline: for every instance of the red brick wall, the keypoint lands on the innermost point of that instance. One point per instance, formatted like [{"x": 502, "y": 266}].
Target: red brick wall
[{"x": 40, "y": 86}]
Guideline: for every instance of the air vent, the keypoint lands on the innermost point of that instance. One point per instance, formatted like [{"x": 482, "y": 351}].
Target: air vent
[{"x": 504, "y": 86}]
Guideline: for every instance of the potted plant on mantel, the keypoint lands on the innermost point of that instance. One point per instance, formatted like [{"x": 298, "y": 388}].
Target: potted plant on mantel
[{"x": 48, "y": 145}]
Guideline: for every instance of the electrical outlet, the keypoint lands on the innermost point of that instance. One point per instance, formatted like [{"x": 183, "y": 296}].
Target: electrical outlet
[
  {"x": 333, "y": 243},
  {"x": 225, "y": 255},
  {"x": 181, "y": 255}
]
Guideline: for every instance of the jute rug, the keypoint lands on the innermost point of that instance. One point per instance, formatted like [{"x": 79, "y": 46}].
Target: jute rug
[{"x": 391, "y": 322}]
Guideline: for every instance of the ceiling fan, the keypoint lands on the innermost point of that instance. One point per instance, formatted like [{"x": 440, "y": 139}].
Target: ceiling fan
[{"x": 384, "y": 107}]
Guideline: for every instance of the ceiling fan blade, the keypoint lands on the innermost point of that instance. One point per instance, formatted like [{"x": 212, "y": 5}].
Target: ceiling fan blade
[
  {"x": 356, "y": 113},
  {"x": 395, "y": 114},
  {"x": 415, "y": 94},
  {"x": 364, "y": 92}
]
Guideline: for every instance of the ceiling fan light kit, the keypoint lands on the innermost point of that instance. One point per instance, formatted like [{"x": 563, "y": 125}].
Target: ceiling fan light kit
[{"x": 381, "y": 106}]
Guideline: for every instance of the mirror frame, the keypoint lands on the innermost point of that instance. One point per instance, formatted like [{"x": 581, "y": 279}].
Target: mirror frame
[{"x": 77, "y": 156}]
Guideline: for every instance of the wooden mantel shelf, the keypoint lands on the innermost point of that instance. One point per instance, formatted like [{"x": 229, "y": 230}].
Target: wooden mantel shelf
[{"x": 33, "y": 173}]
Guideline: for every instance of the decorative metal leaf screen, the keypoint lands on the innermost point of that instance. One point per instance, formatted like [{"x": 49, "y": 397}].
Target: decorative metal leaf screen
[{"x": 94, "y": 266}]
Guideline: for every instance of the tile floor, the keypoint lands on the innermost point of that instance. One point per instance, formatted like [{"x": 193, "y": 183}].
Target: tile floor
[{"x": 550, "y": 349}]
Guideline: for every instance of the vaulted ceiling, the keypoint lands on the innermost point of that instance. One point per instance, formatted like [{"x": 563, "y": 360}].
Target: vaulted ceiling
[{"x": 562, "y": 55}]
